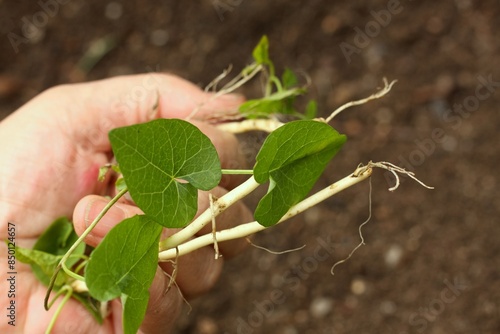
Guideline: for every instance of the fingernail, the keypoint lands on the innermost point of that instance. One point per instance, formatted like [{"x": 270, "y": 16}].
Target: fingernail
[{"x": 114, "y": 215}]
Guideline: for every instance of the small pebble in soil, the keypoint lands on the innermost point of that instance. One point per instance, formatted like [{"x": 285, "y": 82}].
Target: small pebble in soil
[
  {"x": 159, "y": 37},
  {"x": 207, "y": 326},
  {"x": 358, "y": 286},
  {"x": 393, "y": 256},
  {"x": 290, "y": 330},
  {"x": 388, "y": 307},
  {"x": 320, "y": 307},
  {"x": 113, "y": 11}
]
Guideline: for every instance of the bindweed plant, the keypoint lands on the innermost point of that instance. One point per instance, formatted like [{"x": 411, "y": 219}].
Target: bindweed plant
[{"x": 164, "y": 163}]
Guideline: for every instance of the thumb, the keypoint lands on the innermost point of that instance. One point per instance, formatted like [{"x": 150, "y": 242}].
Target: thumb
[{"x": 88, "y": 111}]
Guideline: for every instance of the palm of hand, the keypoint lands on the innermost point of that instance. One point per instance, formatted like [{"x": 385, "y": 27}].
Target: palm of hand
[{"x": 57, "y": 143}]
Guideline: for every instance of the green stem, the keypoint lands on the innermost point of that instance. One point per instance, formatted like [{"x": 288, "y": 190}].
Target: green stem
[
  {"x": 237, "y": 171},
  {"x": 269, "y": 86},
  {"x": 277, "y": 83},
  {"x": 72, "y": 274},
  {"x": 85, "y": 260},
  {"x": 69, "y": 292},
  {"x": 79, "y": 241}
]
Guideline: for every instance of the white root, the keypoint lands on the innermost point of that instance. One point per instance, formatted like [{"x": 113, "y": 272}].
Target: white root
[
  {"x": 362, "y": 242},
  {"x": 395, "y": 170},
  {"x": 377, "y": 95},
  {"x": 230, "y": 87},
  {"x": 271, "y": 124},
  {"x": 274, "y": 252},
  {"x": 214, "y": 228}
]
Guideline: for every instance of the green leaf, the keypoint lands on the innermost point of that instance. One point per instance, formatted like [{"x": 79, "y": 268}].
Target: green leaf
[
  {"x": 261, "y": 52},
  {"x": 134, "y": 310},
  {"x": 288, "y": 79},
  {"x": 276, "y": 103},
  {"x": 124, "y": 265},
  {"x": 126, "y": 259},
  {"x": 311, "y": 110},
  {"x": 103, "y": 170},
  {"x": 164, "y": 162},
  {"x": 54, "y": 242},
  {"x": 292, "y": 158},
  {"x": 58, "y": 238},
  {"x": 43, "y": 264},
  {"x": 48, "y": 251}
]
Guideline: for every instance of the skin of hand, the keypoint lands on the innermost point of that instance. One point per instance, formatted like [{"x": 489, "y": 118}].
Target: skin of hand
[{"x": 52, "y": 149}]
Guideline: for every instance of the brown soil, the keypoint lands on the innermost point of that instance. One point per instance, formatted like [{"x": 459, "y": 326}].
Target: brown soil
[{"x": 430, "y": 262}]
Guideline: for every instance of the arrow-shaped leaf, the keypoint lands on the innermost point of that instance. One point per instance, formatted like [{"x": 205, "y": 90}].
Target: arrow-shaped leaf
[{"x": 292, "y": 158}]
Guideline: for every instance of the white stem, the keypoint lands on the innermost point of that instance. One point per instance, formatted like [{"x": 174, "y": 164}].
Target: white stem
[
  {"x": 244, "y": 230},
  {"x": 219, "y": 206},
  {"x": 266, "y": 125}
]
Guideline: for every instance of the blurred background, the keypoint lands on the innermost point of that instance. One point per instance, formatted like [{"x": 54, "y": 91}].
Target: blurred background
[{"x": 430, "y": 262}]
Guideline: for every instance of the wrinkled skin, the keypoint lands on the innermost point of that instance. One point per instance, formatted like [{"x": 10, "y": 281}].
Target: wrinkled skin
[{"x": 51, "y": 151}]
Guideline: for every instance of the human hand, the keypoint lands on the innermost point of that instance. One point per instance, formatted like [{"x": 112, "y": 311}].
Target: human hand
[{"x": 52, "y": 149}]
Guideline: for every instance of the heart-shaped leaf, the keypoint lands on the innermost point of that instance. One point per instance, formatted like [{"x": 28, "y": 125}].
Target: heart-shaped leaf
[{"x": 164, "y": 163}]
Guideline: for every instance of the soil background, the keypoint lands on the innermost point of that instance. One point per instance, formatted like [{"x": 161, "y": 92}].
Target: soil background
[{"x": 430, "y": 263}]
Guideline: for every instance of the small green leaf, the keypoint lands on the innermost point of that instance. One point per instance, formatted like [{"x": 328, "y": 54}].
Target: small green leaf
[
  {"x": 261, "y": 52},
  {"x": 276, "y": 103},
  {"x": 57, "y": 238},
  {"x": 164, "y": 163},
  {"x": 292, "y": 158},
  {"x": 124, "y": 265},
  {"x": 120, "y": 184},
  {"x": 116, "y": 168},
  {"x": 102, "y": 173},
  {"x": 43, "y": 264},
  {"x": 311, "y": 110},
  {"x": 288, "y": 79},
  {"x": 54, "y": 242}
]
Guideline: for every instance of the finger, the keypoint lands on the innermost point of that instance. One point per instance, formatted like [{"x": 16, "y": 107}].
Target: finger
[
  {"x": 89, "y": 207},
  {"x": 164, "y": 306},
  {"x": 195, "y": 273}
]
